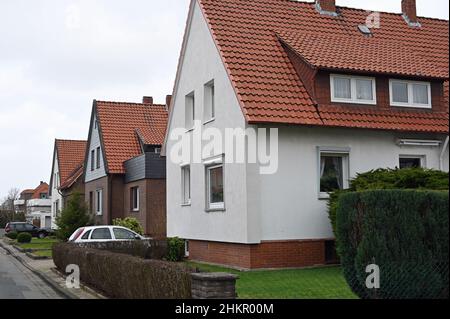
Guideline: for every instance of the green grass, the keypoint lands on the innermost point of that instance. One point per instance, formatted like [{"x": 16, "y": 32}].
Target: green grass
[
  {"x": 314, "y": 283},
  {"x": 37, "y": 243}
]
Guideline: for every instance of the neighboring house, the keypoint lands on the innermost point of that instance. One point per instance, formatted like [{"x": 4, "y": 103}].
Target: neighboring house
[
  {"x": 125, "y": 176},
  {"x": 36, "y": 205},
  {"x": 345, "y": 99},
  {"x": 67, "y": 171}
]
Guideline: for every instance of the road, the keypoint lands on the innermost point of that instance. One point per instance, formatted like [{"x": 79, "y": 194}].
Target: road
[{"x": 18, "y": 282}]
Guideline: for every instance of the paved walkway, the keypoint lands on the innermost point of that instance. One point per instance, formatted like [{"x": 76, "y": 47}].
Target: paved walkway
[{"x": 18, "y": 282}]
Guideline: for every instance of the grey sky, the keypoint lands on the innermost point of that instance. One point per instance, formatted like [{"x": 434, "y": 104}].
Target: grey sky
[{"x": 56, "y": 56}]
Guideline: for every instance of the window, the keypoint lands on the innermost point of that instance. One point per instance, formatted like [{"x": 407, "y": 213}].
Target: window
[
  {"x": 353, "y": 89},
  {"x": 86, "y": 235},
  {"x": 92, "y": 160},
  {"x": 101, "y": 233},
  {"x": 186, "y": 248},
  {"x": 98, "y": 157},
  {"x": 91, "y": 202},
  {"x": 334, "y": 173},
  {"x": 186, "y": 185},
  {"x": 135, "y": 199},
  {"x": 99, "y": 202},
  {"x": 410, "y": 93},
  {"x": 123, "y": 234},
  {"x": 209, "y": 105},
  {"x": 411, "y": 161},
  {"x": 214, "y": 187},
  {"x": 95, "y": 124},
  {"x": 190, "y": 111}
]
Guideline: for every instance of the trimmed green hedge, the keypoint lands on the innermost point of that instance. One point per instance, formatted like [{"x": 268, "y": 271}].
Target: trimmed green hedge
[
  {"x": 409, "y": 178},
  {"x": 404, "y": 232},
  {"x": 24, "y": 238},
  {"x": 122, "y": 276},
  {"x": 175, "y": 249}
]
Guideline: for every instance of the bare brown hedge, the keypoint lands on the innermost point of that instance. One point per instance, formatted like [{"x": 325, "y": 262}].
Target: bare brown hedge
[{"x": 122, "y": 276}]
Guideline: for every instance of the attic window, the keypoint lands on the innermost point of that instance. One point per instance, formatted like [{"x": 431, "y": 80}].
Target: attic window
[{"x": 365, "y": 30}]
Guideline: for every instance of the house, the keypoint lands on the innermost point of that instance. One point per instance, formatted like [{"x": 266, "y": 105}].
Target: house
[
  {"x": 67, "y": 170},
  {"x": 346, "y": 91},
  {"x": 35, "y": 204},
  {"x": 125, "y": 175}
]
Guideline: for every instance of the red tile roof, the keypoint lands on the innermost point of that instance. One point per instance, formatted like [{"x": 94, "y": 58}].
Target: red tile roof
[
  {"x": 41, "y": 189},
  {"x": 73, "y": 177},
  {"x": 247, "y": 34},
  {"x": 71, "y": 155},
  {"x": 119, "y": 123}
]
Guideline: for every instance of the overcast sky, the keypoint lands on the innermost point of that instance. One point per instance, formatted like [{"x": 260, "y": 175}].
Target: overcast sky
[{"x": 56, "y": 56}]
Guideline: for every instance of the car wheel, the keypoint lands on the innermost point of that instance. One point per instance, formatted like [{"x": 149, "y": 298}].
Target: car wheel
[{"x": 41, "y": 235}]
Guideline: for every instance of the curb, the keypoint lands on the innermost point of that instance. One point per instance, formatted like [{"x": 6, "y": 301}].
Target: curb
[{"x": 55, "y": 286}]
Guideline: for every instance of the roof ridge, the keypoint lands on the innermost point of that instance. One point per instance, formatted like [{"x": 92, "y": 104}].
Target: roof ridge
[
  {"x": 131, "y": 103},
  {"x": 69, "y": 140}
]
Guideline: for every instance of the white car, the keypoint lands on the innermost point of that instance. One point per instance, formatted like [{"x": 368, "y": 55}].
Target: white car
[{"x": 103, "y": 234}]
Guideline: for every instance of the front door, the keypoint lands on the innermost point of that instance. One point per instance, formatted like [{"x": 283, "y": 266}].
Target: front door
[{"x": 48, "y": 222}]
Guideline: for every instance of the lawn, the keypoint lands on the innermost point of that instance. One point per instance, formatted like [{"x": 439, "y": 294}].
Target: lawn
[
  {"x": 314, "y": 283},
  {"x": 39, "y": 247}
]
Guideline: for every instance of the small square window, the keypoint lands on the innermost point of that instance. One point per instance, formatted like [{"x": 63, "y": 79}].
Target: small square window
[
  {"x": 410, "y": 94},
  {"x": 334, "y": 174},
  {"x": 420, "y": 94},
  {"x": 400, "y": 92},
  {"x": 364, "y": 90},
  {"x": 353, "y": 89},
  {"x": 342, "y": 88},
  {"x": 214, "y": 187},
  {"x": 411, "y": 162}
]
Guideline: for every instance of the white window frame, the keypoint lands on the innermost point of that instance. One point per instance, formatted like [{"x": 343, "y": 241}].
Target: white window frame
[
  {"x": 210, "y": 165},
  {"x": 334, "y": 151},
  {"x": 422, "y": 158},
  {"x": 410, "y": 85},
  {"x": 138, "y": 195},
  {"x": 189, "y": 99},
  {"x": 209, "y": 101},
  {"x": 353, "y": 99},
  {"x": 186, "y": 201},
  {"x": 99, "y": 202}
]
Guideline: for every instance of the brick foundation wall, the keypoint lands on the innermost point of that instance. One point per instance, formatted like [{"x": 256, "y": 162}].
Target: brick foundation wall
[{"x": 269, "y": 254}]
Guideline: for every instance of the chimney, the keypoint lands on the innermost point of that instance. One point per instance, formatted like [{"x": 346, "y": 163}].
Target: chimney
[
  {"x": 168, "y": 100},
  {"x": 410, "y": 12},
  {"x": 147, "y": 100},
  {"x": 326, "y": 7}
]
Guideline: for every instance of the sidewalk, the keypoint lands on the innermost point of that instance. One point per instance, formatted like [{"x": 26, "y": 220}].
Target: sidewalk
[{"x": 46, "y": 270}]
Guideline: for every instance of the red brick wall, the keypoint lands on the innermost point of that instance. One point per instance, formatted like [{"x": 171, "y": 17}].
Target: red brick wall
[{"x": 269, "y": 254}]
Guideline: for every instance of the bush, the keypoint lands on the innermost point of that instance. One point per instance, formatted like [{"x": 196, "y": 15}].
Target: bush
[
  {"x": 11, "y": 235},
  {"x": 405, "y": 233},
  {"x": 24, "y": 238},
  {"x": 130, "y": 223},
  {"x": 410, "y": 178},
  {"x": 73, "y": 216},
  {"x": 125, "y": 277},
  {"x": 175, "y": 249}
]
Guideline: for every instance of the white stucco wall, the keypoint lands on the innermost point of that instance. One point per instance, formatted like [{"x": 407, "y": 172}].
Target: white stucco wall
[
  {"x": 56, "y": 196},
  {"x": 288, "y": 201},
  {"x": 200, "y": 65},
  {"x": 94, "y": 143}
]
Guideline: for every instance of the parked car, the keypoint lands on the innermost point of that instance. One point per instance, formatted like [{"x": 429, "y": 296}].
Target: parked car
[
  {"x": 21, "y": 227},
  {"x": 103, "y": 234}
]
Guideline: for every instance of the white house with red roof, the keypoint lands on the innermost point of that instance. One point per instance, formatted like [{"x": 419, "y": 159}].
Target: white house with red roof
[{"x": 348, "y": 90}]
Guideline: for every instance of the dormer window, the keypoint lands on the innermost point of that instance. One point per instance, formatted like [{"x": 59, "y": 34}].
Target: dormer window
[
  {"x": 353, "y": 89},
  {"x": 410, "y": 93}
]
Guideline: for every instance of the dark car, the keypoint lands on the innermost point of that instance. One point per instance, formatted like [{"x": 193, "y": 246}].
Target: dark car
[{"x": 28, "y": 228}]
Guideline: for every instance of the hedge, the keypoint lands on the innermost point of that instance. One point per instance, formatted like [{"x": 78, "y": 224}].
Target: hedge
[
  {"x": 409, "y": 178},
  {"x": 122, "y": 276},
  {"x": 405, "y": 233},
  {"x": 24, "y": 238}
]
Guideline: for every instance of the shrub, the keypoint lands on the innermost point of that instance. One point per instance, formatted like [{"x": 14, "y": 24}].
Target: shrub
[
  {"x": 410, "y": 178},
  {"x": 12, "y": 235},
  {"x": 175, "y": 249},
  {"x": 125, "y": 277},
  {"x": 73, "y": 216},
  {"x": 130, "y": 223},
  {"x": 24, "y": 238},
  {"x": 404, "y": 232}
]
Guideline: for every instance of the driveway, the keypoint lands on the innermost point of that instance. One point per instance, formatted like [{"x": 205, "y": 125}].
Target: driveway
[{"x": 18, "y": 282}]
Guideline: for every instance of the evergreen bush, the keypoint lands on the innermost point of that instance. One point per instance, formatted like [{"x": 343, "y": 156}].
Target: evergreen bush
[{"x": 73, "y": 216}]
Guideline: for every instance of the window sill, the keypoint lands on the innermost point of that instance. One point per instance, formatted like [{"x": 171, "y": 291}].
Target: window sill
[
  {"x": 324, "y": 196},
  {"x": 421, "y": 107},
  {"x": 209, "y": 121},
  {"x": 213, "y": 210},
  {"x": 189, "y": 130},
  {"x": 356, "y": 102},
  {"x": 186, "y": 205}
]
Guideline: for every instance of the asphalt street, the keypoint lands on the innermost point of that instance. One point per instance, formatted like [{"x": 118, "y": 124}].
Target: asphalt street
[{"x": 18, "y": 282}]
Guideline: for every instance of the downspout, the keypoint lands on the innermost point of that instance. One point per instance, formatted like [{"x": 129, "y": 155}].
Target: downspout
[{"x": 441, "y": 157}]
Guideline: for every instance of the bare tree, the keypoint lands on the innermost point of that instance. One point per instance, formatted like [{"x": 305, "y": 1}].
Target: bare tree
[{"x": 8, "y": 203}]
